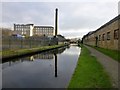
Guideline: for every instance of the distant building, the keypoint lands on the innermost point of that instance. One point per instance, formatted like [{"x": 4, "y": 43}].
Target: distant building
[
  {"x": 43, "y": 30},
  {"x": 74, "y": 40},
  {"x": 24, "y": 29},
  {"x": 31, "y": 30},
  {"x": 61, "y": 39}
]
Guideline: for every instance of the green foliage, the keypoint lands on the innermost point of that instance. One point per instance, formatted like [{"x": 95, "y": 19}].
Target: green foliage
[
  {"x": 9, "y": 53},
  {"x": 111, "y": 53},
  {"x": 89, "y": 73}
]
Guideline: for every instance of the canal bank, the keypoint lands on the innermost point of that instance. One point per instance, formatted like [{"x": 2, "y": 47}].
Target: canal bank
[
  {"x": 89, "y": 73},
  {"x": 22, "y": 52}
]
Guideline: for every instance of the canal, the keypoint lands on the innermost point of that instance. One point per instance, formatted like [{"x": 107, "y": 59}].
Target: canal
[{"x": 51, "y": 69}]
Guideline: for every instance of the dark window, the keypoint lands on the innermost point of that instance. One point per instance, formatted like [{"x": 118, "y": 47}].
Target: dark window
[
  {"x": 108, "y": 35},
  {"x": 99, "y": 37},
  {"x": 103, "y": 37},
  {"x": 116, "y": 34}
]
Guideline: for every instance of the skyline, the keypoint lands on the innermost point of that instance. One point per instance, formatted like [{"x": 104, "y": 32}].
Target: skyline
[{"x": 74, "y": 19}]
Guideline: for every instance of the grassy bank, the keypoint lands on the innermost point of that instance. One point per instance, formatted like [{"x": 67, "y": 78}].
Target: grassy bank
[
  {"x": 11, "y": 53},
  {"x": 111, "y": 53},
  {"x": 89, "y": 73}
]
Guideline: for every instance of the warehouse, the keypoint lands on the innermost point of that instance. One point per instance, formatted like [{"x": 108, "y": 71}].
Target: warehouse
[{"x": 107, "y": 36}]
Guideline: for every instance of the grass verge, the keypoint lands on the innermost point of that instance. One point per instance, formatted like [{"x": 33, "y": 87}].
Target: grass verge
[
  {"x": 111, "y": 53},
  {"x": 10, "y": 53},
  {"x": 89, "y": 73}
]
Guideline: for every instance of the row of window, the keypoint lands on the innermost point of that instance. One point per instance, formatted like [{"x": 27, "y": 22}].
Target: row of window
[
  {"x": 44, "y": 33},
  {"x": 108, "y": 35},
  {"x": 26, "y": 26},
  {"x": 20, "y": 26},
  {"x": 43, "y": 28},
  {"x": 22, "y": 29},
  {"x": 40, "y": 31}
]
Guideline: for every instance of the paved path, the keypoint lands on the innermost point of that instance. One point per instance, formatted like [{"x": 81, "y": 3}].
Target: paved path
[{"x": 110, "y": 65}]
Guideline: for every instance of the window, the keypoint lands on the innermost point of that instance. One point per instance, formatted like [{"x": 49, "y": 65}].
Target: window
[
  {"x": 116, "y": 34},
  {"x": 103, "y": 37},
  {"x": 99, "y": 37},
  {"x": 108, "y": 35}
]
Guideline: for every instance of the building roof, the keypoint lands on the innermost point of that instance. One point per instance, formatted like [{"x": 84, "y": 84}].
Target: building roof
[
  {"x": 111, "y": 21},
  {"x": 43, "y": 27},
  {"x": 24, "y": 24},
  {"x": 30, "y": 24},
  {"x": 108, "y": 23}
]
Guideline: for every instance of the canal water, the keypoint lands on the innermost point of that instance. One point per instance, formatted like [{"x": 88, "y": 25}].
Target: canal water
[{"x": 51, "y": 69}]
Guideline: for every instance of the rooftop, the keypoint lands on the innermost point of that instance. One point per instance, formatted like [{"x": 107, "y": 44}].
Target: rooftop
[
  {"x": 43, "y": 27},
  {"x": 24, "y": 24},
  {"x": 111, "y": 21}
]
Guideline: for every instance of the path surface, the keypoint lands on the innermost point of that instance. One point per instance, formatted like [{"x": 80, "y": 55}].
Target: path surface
[{"x": 110, "y": 65}]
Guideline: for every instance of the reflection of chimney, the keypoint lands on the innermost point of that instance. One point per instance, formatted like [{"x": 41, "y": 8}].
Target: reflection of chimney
[
  {"x": 56, "y": 21},
  {"x": 55, "y": 65}
]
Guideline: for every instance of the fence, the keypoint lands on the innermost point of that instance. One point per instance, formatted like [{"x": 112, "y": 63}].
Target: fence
[{"x": 11, "y": 42}]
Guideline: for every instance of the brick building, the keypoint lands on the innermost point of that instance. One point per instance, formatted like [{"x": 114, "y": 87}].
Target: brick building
[
  {"x": 24, "y": 29},
  {"x": 31, "y": 30},
  {"x": 43, "y": 30},
  {"x": 107, "y": 36}
]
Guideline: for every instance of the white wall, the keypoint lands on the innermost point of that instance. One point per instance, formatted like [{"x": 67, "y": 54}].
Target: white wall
[{"x": 31, "y": 30}]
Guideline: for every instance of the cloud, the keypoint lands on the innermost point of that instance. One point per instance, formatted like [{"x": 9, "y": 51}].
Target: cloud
[
  {"x": 73, "y": 16},
  {"x": 74, "y": 33},
  {"x": 88, "y": 15},
  {"x": 59, "y": 0}
]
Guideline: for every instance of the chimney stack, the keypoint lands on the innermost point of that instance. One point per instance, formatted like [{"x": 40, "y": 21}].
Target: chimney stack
[{"x": 56, "y": 22}]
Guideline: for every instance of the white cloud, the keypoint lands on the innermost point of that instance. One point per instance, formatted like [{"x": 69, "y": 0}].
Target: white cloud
[
  {"x": 75, "y": 18},
  {"x": 74, "y": 33},
  {"x": 59, "y": 0}
]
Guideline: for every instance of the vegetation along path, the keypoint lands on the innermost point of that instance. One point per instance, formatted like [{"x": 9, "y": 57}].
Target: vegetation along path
[
  {"x": 89, "y": 73},
  {"x": 110, "y": 65},
  {"x": 20, "y": 52}
]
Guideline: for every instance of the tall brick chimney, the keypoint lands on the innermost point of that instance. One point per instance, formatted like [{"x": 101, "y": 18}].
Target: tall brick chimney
[{"x": 56, "y": 22}]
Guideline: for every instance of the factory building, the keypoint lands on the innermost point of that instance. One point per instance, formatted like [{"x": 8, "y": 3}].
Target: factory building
[
  {"x": 24, "y": 29},
  {"x": 43, "y": 30},
  {"x": 31, "y": 30},
  {"x": 107, "y": 36}
]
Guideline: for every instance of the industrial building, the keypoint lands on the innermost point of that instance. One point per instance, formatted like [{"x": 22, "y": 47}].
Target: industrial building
[
  {"x": 31, "y": 30},
  {"x": 107, "y": 36},
  {"x": 43, "y": 30},
  {"x": 24, "y": 29}
]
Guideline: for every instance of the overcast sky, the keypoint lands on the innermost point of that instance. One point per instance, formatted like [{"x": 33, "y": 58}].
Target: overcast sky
[{"x": 75, "y": 18}]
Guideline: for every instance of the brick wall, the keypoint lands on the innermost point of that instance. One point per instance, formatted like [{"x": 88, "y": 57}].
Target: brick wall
[{"x": 106, "y": 36}]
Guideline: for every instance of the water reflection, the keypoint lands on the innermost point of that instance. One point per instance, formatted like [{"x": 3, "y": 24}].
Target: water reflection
[
  {"x": 55, "y": 65},
  {"x": 37, "y": 71},
  {"x": 49, "y": 55}
]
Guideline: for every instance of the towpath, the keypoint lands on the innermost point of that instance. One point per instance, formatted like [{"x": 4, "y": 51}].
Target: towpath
[{"x": 110, "y": 65}]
